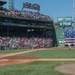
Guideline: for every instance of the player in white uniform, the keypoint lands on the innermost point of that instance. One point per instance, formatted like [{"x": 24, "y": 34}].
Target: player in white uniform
[
  {"x": 74, "y": 45},
  {"x": 69, "y": 46}
]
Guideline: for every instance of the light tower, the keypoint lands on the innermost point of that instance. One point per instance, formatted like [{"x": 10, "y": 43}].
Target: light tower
[
  {"x": 74, "y": 13},
  {"x": 11, "y": 4}
]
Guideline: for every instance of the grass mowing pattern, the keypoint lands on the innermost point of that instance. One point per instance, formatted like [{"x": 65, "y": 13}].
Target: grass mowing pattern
[
  {"x": 10, "y": 51},
  {"x": 34, "y": 68},
  {"x": 51, "y": 54}
]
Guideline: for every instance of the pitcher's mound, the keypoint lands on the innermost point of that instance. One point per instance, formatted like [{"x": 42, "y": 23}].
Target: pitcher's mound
[{"x": 67, "y": 68}]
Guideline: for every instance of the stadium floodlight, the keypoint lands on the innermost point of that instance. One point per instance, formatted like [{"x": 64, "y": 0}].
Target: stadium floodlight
[
  {"x": 11, "y": 4},
  {"x": 74, "y": 13}
]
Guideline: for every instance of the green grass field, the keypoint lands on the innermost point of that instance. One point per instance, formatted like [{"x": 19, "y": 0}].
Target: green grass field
[
  {"x": 10, "y": 51},
  {"x": 51, "y": 54},
  {"x": 34, "y": 68},
  {"x": 38, "y": 67}
]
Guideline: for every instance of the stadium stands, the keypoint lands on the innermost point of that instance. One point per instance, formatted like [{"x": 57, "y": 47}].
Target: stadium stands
[
  {"x": 24, "y": 43},
  {"x": 17, "y": 39},
  {"x": 25, "y": 30},
  {"x": 25, "y": 14}
]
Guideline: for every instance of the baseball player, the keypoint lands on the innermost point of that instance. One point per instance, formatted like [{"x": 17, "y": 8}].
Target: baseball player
[{"x": 69, "y": 46}]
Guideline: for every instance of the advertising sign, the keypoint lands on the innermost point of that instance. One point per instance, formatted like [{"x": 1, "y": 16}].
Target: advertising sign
[
  {"x": 64, "y": 19},
  {"x": 60, "y": 19}
]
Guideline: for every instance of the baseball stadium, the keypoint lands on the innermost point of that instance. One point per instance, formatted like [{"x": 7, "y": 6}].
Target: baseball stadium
[{"x": 32, "y": 43}]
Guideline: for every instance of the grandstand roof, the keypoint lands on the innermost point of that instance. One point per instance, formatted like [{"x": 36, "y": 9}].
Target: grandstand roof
[
  {"x": 2, "y": 2},
  {"x": 38, "y": 20}
]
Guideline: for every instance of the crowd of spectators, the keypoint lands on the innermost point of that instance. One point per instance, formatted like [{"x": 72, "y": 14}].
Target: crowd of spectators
[
  {"x": 24, "y": 43},
  {"x": 25, "y": 14}
]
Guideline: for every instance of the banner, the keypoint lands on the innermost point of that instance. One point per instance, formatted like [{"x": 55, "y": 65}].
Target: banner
[
  {"x": 69, "y": 35},
  {"x": 31, "y": 6}
]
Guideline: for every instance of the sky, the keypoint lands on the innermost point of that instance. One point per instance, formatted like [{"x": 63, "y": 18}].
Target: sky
[{"x": 53, "y": 8}]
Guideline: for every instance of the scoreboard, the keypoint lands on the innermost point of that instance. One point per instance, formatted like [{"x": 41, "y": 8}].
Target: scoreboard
[{"x": 65, "y": 21}]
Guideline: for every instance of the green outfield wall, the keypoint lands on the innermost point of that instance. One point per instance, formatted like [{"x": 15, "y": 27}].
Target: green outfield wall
[{"x": 60, "y": 36}]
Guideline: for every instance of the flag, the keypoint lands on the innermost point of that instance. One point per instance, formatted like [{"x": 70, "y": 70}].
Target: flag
[{"x": 69, "y": 35}]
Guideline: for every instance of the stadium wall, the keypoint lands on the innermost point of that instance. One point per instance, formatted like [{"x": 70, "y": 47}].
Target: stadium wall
[{"x": 60, "y": 36}]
